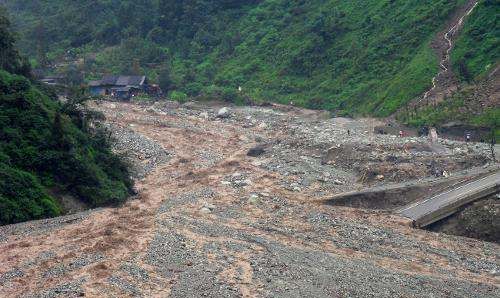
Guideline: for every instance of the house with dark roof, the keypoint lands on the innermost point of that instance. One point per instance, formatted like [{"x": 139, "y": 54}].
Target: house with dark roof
[{"x": 121, "y": 87}]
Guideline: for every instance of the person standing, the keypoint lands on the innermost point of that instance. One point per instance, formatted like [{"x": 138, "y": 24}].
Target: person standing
[
  {"x": 467, "y": 137},
  {"x": 433, "y": 136}
]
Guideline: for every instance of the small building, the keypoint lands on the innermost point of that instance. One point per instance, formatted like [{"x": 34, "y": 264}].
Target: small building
[{"x": 120, "y": 87}]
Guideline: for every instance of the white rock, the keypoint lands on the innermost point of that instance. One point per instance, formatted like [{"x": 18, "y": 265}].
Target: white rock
[
  {"x": 254, "y": 199},
  {"x": 223, "y": 113},
  {"x": 295, "y": 187},
  {"x": 205, "y": 210},
  {"x": 242, "y": 182}
]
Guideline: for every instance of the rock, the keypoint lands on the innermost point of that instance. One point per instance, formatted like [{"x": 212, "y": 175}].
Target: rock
[
  {"x": 256, "y": 151},
  {"x": 205, "y": 210},
  {"x": 204, "y": 115},
  {"x": 263, "y": 125},
  {"x": 245, "y": 182},
  {"x": 338, "y": 182},
  {"x": 380, "y": 177},
  {"x": 254, "y": 199},
  {"x": 225, "y": 183},
  {"x": 210, "y": 207},
  {"x": 295, "y": 187},
  {"x": 223, "y": 113}
]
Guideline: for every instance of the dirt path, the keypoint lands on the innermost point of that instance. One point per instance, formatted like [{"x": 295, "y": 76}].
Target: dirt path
[
  {"x": 215, "y": 222},
  {"x": 444, "y": 83}
]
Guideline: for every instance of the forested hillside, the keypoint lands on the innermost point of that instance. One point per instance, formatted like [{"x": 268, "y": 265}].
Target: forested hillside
[
  {"x": 47, "y": 147},
  {"x": 369, "y": 56},
  {"x": 477, "y": 49}
]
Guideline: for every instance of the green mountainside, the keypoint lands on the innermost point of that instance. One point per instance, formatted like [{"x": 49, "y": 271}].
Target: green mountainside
[
  {"x": 477, "y": 49},
  {"x": 354, "y": 57},
  {"x": 47, "y": 146}
]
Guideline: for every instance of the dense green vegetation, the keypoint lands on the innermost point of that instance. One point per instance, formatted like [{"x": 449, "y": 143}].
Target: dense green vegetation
[
  {"x": 475, "y": 54},
  {"x": 46, "y": 146},
  {"x": 476, "y": 50},
  {"x": 368, "y": 56}
]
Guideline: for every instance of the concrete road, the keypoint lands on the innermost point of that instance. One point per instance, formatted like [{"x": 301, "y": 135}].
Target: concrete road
[{"x": 444, "y": 204}]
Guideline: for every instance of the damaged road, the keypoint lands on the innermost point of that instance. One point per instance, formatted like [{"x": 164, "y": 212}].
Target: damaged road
[{"x": 212, "y": 220}]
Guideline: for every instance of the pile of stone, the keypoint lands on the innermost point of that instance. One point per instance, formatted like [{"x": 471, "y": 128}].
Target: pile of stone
[{"x": 143, "y": 153}]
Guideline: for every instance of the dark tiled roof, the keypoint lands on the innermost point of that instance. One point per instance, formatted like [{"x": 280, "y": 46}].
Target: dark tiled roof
[
  {"x": 109, "y": 80},
  {"x": 119, "y": 81}
]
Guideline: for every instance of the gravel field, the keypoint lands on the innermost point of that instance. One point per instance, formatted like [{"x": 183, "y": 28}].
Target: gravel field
[{"x": 232, "y": 207}]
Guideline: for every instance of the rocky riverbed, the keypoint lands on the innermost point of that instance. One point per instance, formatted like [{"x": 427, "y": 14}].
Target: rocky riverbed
[{"x": 230, "y": 205}]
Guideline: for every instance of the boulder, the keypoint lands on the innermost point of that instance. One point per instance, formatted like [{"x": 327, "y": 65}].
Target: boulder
[
  {"x": 254, "y": 199},
  {"x": 204, "y": 115},
  {"x": 223, "y": 113},
  {"x": 256, "y": 151}
]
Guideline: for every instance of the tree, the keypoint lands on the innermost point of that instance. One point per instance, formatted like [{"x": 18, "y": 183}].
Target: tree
[
  {"x": 136, "y": 67},
  {"x": 73, "y": 76},
  {"x": 10, "y": 60},
  {"x": 41, "y": 45},
  {"x": 464, "y": 71},
  {"x": 165, "y": 79}
]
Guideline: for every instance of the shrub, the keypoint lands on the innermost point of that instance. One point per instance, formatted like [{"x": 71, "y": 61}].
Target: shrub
[
  {"x": 45, "y": 144},
  {"x": 178, "y": 96}
]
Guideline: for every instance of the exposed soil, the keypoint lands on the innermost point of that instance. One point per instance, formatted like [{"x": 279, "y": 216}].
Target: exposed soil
[
  {"x": 479, "y": 220},
  {"x": 212, "y": 221},
  {"x": 445, "y": 82}
]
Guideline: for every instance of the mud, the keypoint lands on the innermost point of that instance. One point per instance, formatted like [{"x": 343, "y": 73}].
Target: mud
[{"x": 212, "y": 221}]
